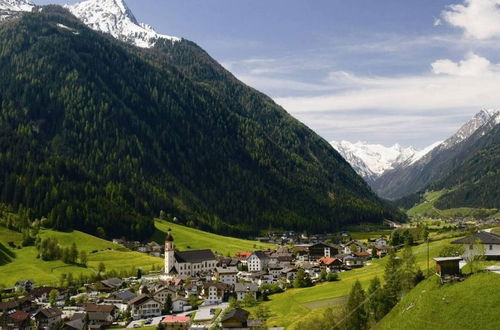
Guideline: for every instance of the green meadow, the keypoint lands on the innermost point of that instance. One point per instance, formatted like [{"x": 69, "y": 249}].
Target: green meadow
[{"x": 186, "y": 238}]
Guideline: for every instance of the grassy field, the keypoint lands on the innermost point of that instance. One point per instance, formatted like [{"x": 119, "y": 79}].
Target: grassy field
[
  {"x": 23, "y": 263},
  {"x": 186, "y": 238},
  {"x": 472, "y": 304},
  {"x": 365, "y": 235},
  {"x": 293, "y": 305},
  {"x": 427, "y": 209}
]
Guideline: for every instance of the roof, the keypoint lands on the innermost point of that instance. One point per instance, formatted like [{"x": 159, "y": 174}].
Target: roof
[
  {"x": 362, "y": 254},
  {"x": 113, "y": 282},
  {"x": 49, "y": 312},
  {"x": 484, "y": 237},
  {"x": 447, "y": 259},
  {"x": 124, "y": 295},
  {"x": 175, "y": 319},
  {"x": 99, "y": 308},
  {"x": 260, "y": 255},
  {"x": 98, "y": 316},
  {"x": 139, "y": 300},
  {"x": 40, "y": 291},
  {"x": 246, "y": 287},
  {"x": 218, "y": 285},
  {"x": 228, "y": 270},
  {"x": 328, "y": 261},
  {"x": 19, "y": 316},
  {"x": 169, "y": 238},
  {"x": 238, "y": 314},
  {"x": 243, "y": 254},
  {"x": 194, "y": 256}
]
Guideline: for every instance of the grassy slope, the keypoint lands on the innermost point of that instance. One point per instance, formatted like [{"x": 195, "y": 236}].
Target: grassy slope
[
  {"x": 292, "y": 305},
  {"x": 472, "y": 304},
  {"x": 427, "y": 209},
  {"x": 188, "y": 238},
  {"x": 24, "y": 264}
]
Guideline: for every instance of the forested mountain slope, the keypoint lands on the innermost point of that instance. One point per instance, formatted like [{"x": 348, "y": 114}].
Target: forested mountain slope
[{"x": 97, "y": 133}]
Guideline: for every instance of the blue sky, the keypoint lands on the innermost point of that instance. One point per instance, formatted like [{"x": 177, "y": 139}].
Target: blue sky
[{"x": 386, "y": 71}]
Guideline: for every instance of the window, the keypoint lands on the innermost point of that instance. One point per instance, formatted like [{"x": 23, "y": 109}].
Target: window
[{"x": 491, "y": 247}]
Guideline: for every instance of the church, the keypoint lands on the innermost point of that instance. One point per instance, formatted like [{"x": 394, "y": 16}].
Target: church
[{"x": 188, "y": 263}]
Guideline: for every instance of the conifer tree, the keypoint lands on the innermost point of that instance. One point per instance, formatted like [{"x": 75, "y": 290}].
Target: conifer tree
[{"x": 356, "y": 314}]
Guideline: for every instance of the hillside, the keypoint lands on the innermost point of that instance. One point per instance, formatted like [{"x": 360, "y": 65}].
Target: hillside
[
  {"x": 472, "y": 304},
  {"x": 18, "y": 263},
  {"x": 96, "y": 133},
  {"x": 192, "y": 239}
]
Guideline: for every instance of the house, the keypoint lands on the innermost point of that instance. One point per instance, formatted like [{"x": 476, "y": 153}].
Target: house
[
  {"x": 243, "y": 256},
  {"x": 301, "y": 252},
  {"x": 121, "y": 297},
  {"x": 144, "y": 306},
  {"x": 319, "y": 250},
  {"x": 101, "y": 315},
  {"x": 113, "y": 283},
  {"x": 215, "y": 292},
  {"x": 235, "y": 319},
  {"x": 77, "y": 322},
  {"x": 275, "y": 269},
  {"x": 489, "y": 243},
  {"x": 189, "y": 263},
  {"x": 180, "y": 304},
  {"x": 227, "y": 275},
  {"x": 330, "y": 263},
  {"x": 242, "y": 289},
  {"x": 354, "y": 261},
  {"x": 23, "y": 304},
  {"x": 15, "y": 320},
  {"x": 258, "y": 261},
  {"x": 41, "y": 294},
  {"x": 24, "y": 285},
  {"x": 162, "y": 294},
  {"x": 354, "y": 246},
  {"x": 449, "y": 266},
  {"x": 289, "y": 273},
  {"x": 176, "y": 322},
  {"x": 47, "y": 318}
]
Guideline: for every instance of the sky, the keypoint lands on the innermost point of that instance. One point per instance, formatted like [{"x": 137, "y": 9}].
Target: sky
[{"x": 386, "y": 71}]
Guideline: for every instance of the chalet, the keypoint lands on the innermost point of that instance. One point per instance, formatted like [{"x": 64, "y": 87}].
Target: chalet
[
  {"x": 301, "y": 252},
  {"x": 41, "y": 294},
  {"x": 242, "y": 289},
  {"x": 23, "y": 304},
  {"x": 354, "y": 261},
  {"x": 121, "y": 297},
  {"x": 144, "y": 306},
  {"x": 329, "y": 263},
  {"x": 15, "y": 320},
  {"x": 215, "y": 292},
  {"x": 162, "y": 294},
  {"x": 228, "y": 275},
  {"x": 354, "y": 246},
  {"x": 189, "y": 263},
  {"x": 24, "y": 285},
  {"x": 275, "y": 269},
  {"x": 176, "y": 322},
  {"x": 319, "y": 250},
  {"x": 243, "y": 256},
  {"x": 289, "y": 273},
  {"x": 47, "y": 318},
  {"x": 235, "y": 319},
  {"x": 179, "y": 304},
  {"x": 258, "y": 261},
  {"x": 101, "y": 315},
  {"x": 489, "y": 243},
  {"x": 449, "y": 266},
  {"x": 113, "y": 283},
  {"x": 76, "y": 322}
]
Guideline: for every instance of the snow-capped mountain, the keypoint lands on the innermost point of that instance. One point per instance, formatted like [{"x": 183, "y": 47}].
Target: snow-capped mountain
[
  {"x": 372, "y": 160},
  {"x": 479, "y": 120},
  {"x": 115, "y": 18},
  {"x": 11, "y": 8}
]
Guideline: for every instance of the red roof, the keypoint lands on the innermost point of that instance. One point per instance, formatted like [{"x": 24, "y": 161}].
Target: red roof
[
  {"x": 243, "y": 255},
  {"x": 362, "y": 254},
  {"x": 327, "y": 260},
  {"x": 175, "y": 319}
]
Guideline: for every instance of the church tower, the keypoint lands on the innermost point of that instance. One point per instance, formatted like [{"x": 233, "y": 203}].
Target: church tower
[{"x": 169, "y": 253}]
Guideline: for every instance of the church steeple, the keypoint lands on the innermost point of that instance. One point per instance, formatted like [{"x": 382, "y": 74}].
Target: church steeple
[{"x": 169, "y": 252}]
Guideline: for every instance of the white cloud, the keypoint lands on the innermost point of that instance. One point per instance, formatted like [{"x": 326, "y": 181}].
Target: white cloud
[
  {"x": 473, "y": 65},
  {"x": 479, "y": 19}
]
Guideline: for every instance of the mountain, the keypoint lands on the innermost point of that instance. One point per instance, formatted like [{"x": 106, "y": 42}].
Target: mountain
[
  {"x": 12, "y": 8},
  {"x": 115, "y": 18},
  {"x": 372, "y": 160},
  {"x": 442, "y": 160},
  {"x": 99, "y": 135}
]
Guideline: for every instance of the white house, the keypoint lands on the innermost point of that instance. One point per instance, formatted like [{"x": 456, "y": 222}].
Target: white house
[
  {"x": 228, "y": 275},
  {"x": 242, "y": 289},
  {"x": 489, "y": 243},
  {"x": 179, "y": 304},
  {"x": 188, "y": 263},
  {"x": 214, "y": 292},
  {"x": 258, "y": 261},
  {"x": 144, "y": 306},
  {"x": 162, "y": 294}
]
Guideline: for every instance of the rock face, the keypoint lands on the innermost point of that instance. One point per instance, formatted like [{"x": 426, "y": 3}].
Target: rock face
[{"x": 115, "y": 18}]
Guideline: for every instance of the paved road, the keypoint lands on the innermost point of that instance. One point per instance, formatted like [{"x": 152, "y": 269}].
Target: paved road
[{"x": 204, "y": 312}]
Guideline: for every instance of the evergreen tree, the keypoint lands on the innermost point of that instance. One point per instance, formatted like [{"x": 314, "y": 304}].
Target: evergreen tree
[
  {"x": 376, "y": 299},
  {"x": 73, "y": 253},
  {"x": 167, "y": 307},
  {"x": 356, "y": 314},
  {"x": 392, "y": 277},
  {"x": 408, "y": 269},
  {"x": 83, "y": 258}
]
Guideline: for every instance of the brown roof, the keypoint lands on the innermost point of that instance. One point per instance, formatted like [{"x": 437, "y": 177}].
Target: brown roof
[
  {"x": 49, "y": 312},
  {"x": 99, "y": 308},
  {"x": 139, "y": 300},
  {"x": 19, "y": 316},
  {"x": 328, "y": 261}
]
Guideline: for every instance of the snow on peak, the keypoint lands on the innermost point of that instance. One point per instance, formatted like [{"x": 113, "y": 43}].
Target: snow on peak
[
  {"x": 16, "y": 5},
  {"x": 480, "y": 119},
  {"x": 372, "y": 160},
  {"x": 115, "y": 18}
]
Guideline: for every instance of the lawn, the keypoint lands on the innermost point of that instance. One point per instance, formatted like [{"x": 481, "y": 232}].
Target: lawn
[
  {"x": 186, "y": 238},
  {"x": 23, "y": 262},
  {"x": 293, "y": 305},
  {"x": 365, "y": 235},
  {"x": 471, "y": 304}
]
